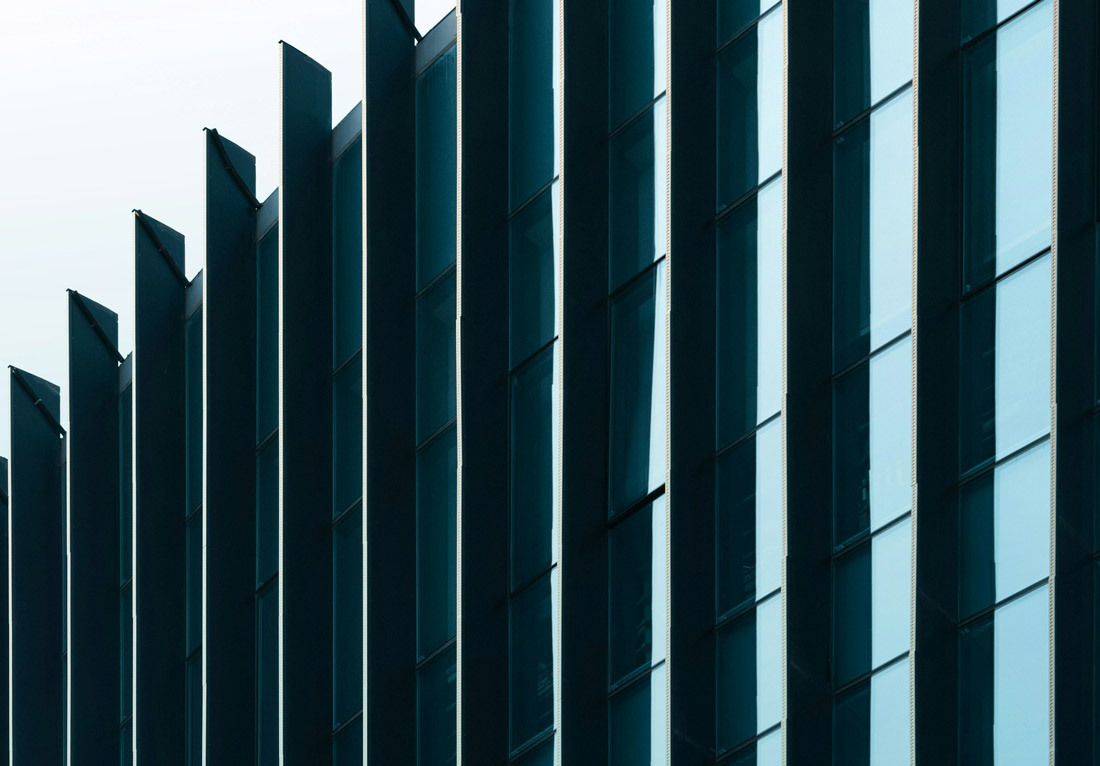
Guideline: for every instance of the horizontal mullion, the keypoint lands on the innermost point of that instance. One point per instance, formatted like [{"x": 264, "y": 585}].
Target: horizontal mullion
[
  {"x": 981, "y": 614},
  {"x": 970, "y": 42},
  {"x": 436, "y": 653},
  {"x": 515, "y": 213},
  {"x": 974, "y": 474},
  {"x": 619, "y": 517},
  {"x": 635, "y": 279},
  {"x": 841, "y": 550},
  {"x": 744, "y": 30},
  {"x": 844, "y": 126},
  {"x": 862, "y": 677},
  {"x": 853, "y": 366},
  {"x": 739, "y": 749},
  {"x": 731, "y": 446},
  {"x": 633, "y": 678},
  {"x": 633, "y": 119},
  {"x": 749, "y": 605},
  {"x": 990, "y": 284},
  {"x": 728, "y": 210}
]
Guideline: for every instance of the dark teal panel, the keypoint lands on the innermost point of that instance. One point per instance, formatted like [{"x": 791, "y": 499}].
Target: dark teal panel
[{"x": 4, "y": 595}]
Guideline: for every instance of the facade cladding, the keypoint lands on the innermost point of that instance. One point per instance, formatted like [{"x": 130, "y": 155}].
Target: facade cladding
[{"x": 622, "y": 382}]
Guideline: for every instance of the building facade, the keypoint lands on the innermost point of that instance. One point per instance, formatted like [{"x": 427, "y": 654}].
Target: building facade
[{"x": 622, "y": 381}]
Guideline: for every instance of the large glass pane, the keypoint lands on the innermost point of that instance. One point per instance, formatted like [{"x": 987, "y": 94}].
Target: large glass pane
[
  {"x": 749, "y": 314},
  {"x": 531, "y": 26},
  {"x": 194, "y": 412},
  {"x": 435, "y": 357},
  {"x": 631, "y": 607},
  {"x": 194, "y": 582},
  {"x": 980, "y": 15},
  {"x": 531, "y": 663},
  {"x": 267, "y": 663},
  {"x": 736, "y": 655},
  {"x": 750, "y": 109},
  {"x": 873, "y": 231},
  {"x": 347, "y": 617},
  {"x": 436, "y": 167},
  {"x": 436, "y": 712},
  {"x": 638, "y": 194},
  {"x": 630, "y": 725},
  {"x": 637, "y": 55},
  {"x": 891, "y": 433},
  {"x": 638, "y": 390},
  {"x": 735, "y": 15},
  {"x": 873, "y": 44},
  {"x": 1008, "y": 146},
  {"x": 890, "y": 715},
  {"x": 852, "y": 614},
  {"x": 347, "y": 437},
  {"x": 194, "y": 710},
  {"x": 532, "y": 485},
  {"x": 891, "y": 588},
  {"x": 436, "y": 504},
  {"x": 1004, "y": 530},
  {"x": 267, "y": 512},
  {"x": 126, "y": 652},
  {"x": 347, "y": 252},
  {"x": 347, "y": 746},
  {"x": 852, "y": 726},
  {"x": 126, "y": 485},
  {"x": 531, "y": 278},
  {"x": 852, "y": 462},
  {"x": 543, "y": 755},
  {"x": 267, "y": 334},
  {"x": 769, "y": 663}
]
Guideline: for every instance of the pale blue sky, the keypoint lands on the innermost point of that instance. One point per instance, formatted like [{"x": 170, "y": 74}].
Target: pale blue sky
[{"x": 103, "y": 109}]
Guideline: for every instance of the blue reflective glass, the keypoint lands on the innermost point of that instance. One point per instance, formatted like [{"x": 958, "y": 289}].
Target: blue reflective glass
[
  {"x": 852, "y": 615},
  {"x": 873, "y": 231},
  {"x": 194, "y": 710},
  {"x": 980, "y": 15},
  {"x": 347, "y": 252},
  {"x": 435, "y": 357},
  {"x": 267, "y": 512},
  {"x": 347, "y": 437},
  {"x": 194, "y": 582},
  {"x": 890, "y": 715},
  {"x": 1004, "y": 530},
  {"x": 530, "y": 97},
  {"x": 436, "y": 711},
  {"x": 631, "y": 598},
  {"x": 267, "y": 334},
  {"x": 852, "y": 726},
  {"x": 638, "y": 385},
  {"x": 750, "y": 109},
  {"x": 347, "y": 746},
  {"x": 891, "y": 586},
  {"x": 735, "y": 15},
  {"x": 531, "y": 278},
  {"x": 347, "y": 617},
  {"x": 1008, "y": 146},
  {"x": 749, "y": 296},
  {"x": 873, "y": 51},
  {"x": 638, "y": 199},
  {"x": 891, "y": 433},
  {"x": 532, "y": 468},
  {"x": 436, "y": 563},
  {"x": 194, "y": 408},
  {"x": 436, "y": 167},
  {"x": 531, "y": 663},
  {"x": 267, "y": 677},
  {"x": 631, "y": 720},
  {"x": 637, "y": 53}
]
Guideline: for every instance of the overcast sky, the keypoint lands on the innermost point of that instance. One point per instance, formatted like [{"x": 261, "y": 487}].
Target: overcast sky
[{"x": 102, "y": 106}]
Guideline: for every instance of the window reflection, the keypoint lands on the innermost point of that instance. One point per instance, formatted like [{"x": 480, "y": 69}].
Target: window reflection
[
  {"x": 531, "y": 692},
  {"x": 637, "y": 53},
  {"x": 638, "y": 195},
  {"x": 531, "y": 278},
  {"x": 436, "y": 504},
  {"x": 436, "y": 707},
  {"x": 873, "y": 44},
  {"x": 532, "y": 467},
  {"x": 530, "y": 97}
]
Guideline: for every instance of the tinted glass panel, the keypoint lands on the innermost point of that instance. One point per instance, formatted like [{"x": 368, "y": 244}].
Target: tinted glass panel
[
  {"x": 347, "y": 617},
  {"x": 543, "y": 755},
  {"x": 891, "y": 433},
  {"x": 631, "y": 607},
  {"x": 436, "y": 714},
  {"x": 531, "y": 676},
  {"x": 347, "y": 437},
  {"x": 980, "y": 15},
  {"x": 638, "y": 390},
  {"x": 194, "y": 582},
  {"x": 126, "y": 484},
  {"x": 637, "y": 55},
  {"x": 532, "y": 464},
  {"x": 890, "y": 715},
  {"x": 436, "y": 504},
  {"x": 194, "y": 411},
  {"x": 126, "y": 652},
  {"x": 1007, "y": 147},
  {"x": 735, "y": 15},
  {"x": 347, "y": 252},
  {"x": 530, "y": 96},
  {"x": 347, "y": 746},
  {"x": 638, "y": 194},
  {"x": 267, "y": 512},
  {"x": 531, "y": 276},
  {"x": 194, "y": 710},
  {"x": 630, "y": 725},
  {"x": 435, "y": 357},
  {"x": 749, "y": 315},
  {"x": 891, "y": 586},
  {"x": 873, "y": 44},
  {"x": 852, "y": 615},
  {"x": 852, "y": 463},
  {"x": 267, "y": 662},
  {"x": 436, "y": 167},
  {"x": 852, "y": 727},
  {"x": 737, "y": 682},
  {"x": 267, "y": 334}
]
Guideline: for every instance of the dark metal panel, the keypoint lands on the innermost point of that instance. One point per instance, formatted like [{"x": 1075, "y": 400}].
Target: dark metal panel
[
  {"x": 94, "y": 495},
  {"x": 808, "y": 405},
  {"x": 305, "y": 409},
  {"x": 585, "y": 410},
  {"x": 937, "y": 97},
  {"x": 483, "y": 394},
  {"x": 389, "y": 194},
  {"x": 1075, "y": 387},
  {"x": 229, "y": 427},
  {"x": 159, "y": 489},
  {"x": 37, "y": 569},
  {"x": 692, "y": 381},
  {"x": 438, "y": 39},
  {"x": 4, "y": 680}
]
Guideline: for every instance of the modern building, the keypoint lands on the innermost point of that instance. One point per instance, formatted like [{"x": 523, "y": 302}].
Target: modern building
[{"x": 622, "y": 382}]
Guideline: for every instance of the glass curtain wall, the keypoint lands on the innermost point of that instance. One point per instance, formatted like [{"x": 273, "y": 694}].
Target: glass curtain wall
[
  {"x": 126, "y": 572},
  {"x": 347, "y": 455},
  {"x": 267, "y": 497},
  {"x": 1005, "y": 385},
  {"x": 872, "y": 381},
  {"x": 637, "y": 295},
  {"x": 194, "y": 535},
  {"x": 749, "y": 383},
  {"x": 534, "y": 241},
  {"x": 436, "y": 380}
]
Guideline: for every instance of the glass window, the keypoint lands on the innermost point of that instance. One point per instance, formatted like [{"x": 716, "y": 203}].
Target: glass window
[
  {"x": 852, "y": 615},
  {"x": 980, "y": 15},
  {"x": 126, "y": 485},
  {"x": 735, "y": 15},
  {"x": 436, "y": 167},
  {"x": 630, "y": 725},
  {"x": 347, "y": 437},
  {"x": 531, "y": 278},
  {"x": 194, "y": 411},
  {"x": 1004, "y": 530},
  {"x": 1005, "y": 365},
  {"x": 267, "y": 334},
  {"x": 435, "y": 362},
  {"x": 532, "y": 485},
  {"x": 126, "y": 652},
  {"x": 530, "y": 97},
  {"x": 267, "y": 512},
  {"x": 750, "y": 672},
  {"x": 436, "y": 714},
  {"x": 873, "y": 231},
  {"x": 871, "y": 724},
  {"x": 194, "y": 582},
  {"x": 631, "y": 607},
  {"x": 750, "y": 109},
  {"x": 267, "y": 662},
  {"x": 126, "y": 743},
  {"x": 873, "y": 41},
  {"x": 852, "y": 726},
  {"x": 638, "y": 194},
  {"x": 436, "y": 504},
  {"x": 1007, "y": 146},
  {"x": 347, "y": 617},
  {"x": 347, "y": 252},
  {"x": 543, "y": 755},
  {"x": 637, "y": 55},
  {"x": 347, "y": 746},
  {"x": 531, "y": 662},
  {"x": 194, "y": 710},
  {"x": 749, "y": 315},
  {"x": 638, "y": 381}
]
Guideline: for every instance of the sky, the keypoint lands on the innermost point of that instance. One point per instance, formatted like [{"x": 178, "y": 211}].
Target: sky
[{"x": 102, "y": 107}]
